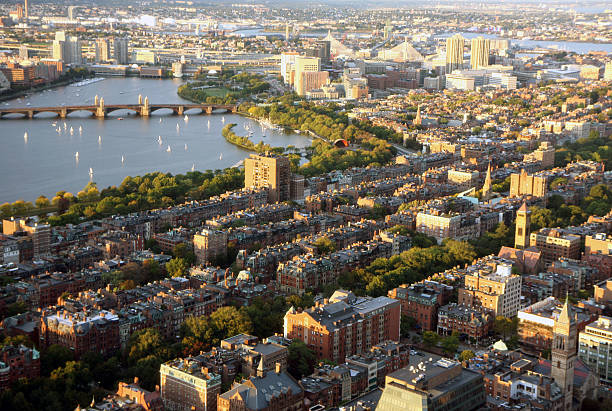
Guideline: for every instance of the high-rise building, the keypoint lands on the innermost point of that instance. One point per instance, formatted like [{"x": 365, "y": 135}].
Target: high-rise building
[
  {"x": 270, "y": 171},
  {"x": 555, "y": 243},
  {"x": 493, "y": 287},
  {"x": 288, "y": 66},
  {"x": 529, "y": 185},
  {"x": 71, "y": 10},
  {"x": 608, "y": 71},
  {"x": 74, "y": 52},
  {"x": 25, "y": 9},
  {"x": 23, "y": 52},
  {"x": 480, "y": 52},
  {"x": 287, "y": 32},
  {"x": 308, "y": 74},
  {"x": 209, "y": 245},
  {"x": 120, "y": 46},
  {"x": 187, "y": 384},
  {"x": 431, "y": 382},
  {"x": 103, "y": 53},
  {"x": 595, "y": 347},
  {"x": 40, "y": 233},
  {"x": 57, "y": 50},
  {"x": 523, "y": 227},
  {"x": 563, "y": 354},
  {"x": 344, "y": 325},
  {"x": 387, "y": 30},
  {"x": 454, "y": 52}
]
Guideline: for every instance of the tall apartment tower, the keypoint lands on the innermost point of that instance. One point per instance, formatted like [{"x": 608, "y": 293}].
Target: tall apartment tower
[
  {"x": 103, "y": 53},
  {"x": 273, "y": 172},
  {"x": 308, "y": 74},
  {"x": 25, "y": 9},
  {"x": 120, "y": 46},
  {"x": 480, "y": 52},
  {"x": 523, "y": 224},
  {"x": 563, "y": 353},
  {"x": 608, "y": 72},
  {"x": 454, "y": 52}
]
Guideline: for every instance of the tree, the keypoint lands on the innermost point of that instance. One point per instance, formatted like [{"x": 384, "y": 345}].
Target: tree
[
  {"x": 406, "y": 325},
  {"x": 15, "y": 308},
  {"x": 177, "y": 267},
  {"x": 42, "y": 202},
  {"x": 451, "y": 343},
  {"x": 301, "y": 360},
  {"x": 325, "y": 246},
  {"x": 186, "y": 253},
  {"x": 466, "y": 355},
  {"x": 430, "y": 338},
  {"x": 54, "y": 357}
]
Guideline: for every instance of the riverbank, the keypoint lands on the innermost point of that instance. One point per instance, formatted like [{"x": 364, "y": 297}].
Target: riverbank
[
  {"x": 38, "y": 89},
  {"x": 245, "y": 143}
]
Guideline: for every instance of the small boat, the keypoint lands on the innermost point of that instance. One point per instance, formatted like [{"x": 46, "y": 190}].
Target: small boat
[
  {"x": 185, "y": 146},
  {"x": 71, "y": 131},
  {"x": 28, "y": 104},
  {"x": 25, "y": 136},
  {"x": 160, "y": 120},
  {"x": 122, "y": 160},
  {"x": 193, "y": 167},
  {"x": 90, "y": 172},
  {"x": 178, "y": 127},
  {"x": 209, "y": 124},
  {"x": 221, "y": 156},
  {"x": 99, "y": 139},
  {"x": 186, "y": 118},
  {"x": 159, "y": 140},
  {"x": 223, "y": 119},
  {"x": 120, "y": 118},
  {"x": 54, "y": 124},
  {"x": 65, "y": 125},
  {"x": 80, "y": 129},
  {"x": 169, "y": 150}
]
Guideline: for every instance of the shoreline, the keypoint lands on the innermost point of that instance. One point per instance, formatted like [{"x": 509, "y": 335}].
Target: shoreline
[{"x": 21, "y": 93}]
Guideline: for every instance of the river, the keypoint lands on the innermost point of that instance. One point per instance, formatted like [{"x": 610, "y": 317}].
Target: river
[{"x": 46, "y": 161}]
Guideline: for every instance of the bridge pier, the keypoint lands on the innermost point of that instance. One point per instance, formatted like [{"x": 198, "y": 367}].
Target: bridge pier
[
  {"x": 100, "y": 112},
  {"x": 180, "y": 110},
  {"x": 30, "y": 114},
  {"x": 63, "y": 113},
  {"x": 209, "y": 110}
]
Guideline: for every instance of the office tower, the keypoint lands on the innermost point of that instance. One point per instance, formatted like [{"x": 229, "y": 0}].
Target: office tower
[
  {"x": 60, "y": 35},
  {"x": 267, "y": 170},
  {"x": 187, "y": 384},
  {"x": 454, "y": 52},
  {"x": 73, "y": 53},
  {"x": 288, "y": 67},
  {"x": 102, "y": 50},
  {"x": 523, "y": 226},
  {"x": 121, "y": 51},
  {"x": 71, "y": 10},
  {"x": 308, "y": 74},
  {"x": 480, "y": 52},
  {"x": 595, "y": 347},
  {"x": 563, "y": 353},
  {"x": 324, "y": 50},
  {"x": 57, "y": 51},
  {"x": 25, "y": 9},
  {"x": 287, "y": 32},
  {"x": 493, "y": 287},
  {"x": 388, "y": 29},
  {"x": 608, "y": 72},
  {"x": 23, "y": 52}
]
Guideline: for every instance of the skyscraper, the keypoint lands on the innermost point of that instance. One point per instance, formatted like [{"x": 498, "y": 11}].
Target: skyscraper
[
  {"x": 308, "y": 74},
  {"x": 288, "y": 66},
  {"x": 563, "y": 353},
  {"x": 102, "y": 50},
  {"x": 523, "y": 224},
  {"x": 71, "y": 12},
  {"x": 73, "y": 52},
  {"x": 454, "y": 52},
  {"x": 25, "y": 9},
  {"x": 57, "y": 50},
  {"x": 121, "y": 51},
  {"x": 480, "y": 52},
  {"x": 273, "y": 172}
]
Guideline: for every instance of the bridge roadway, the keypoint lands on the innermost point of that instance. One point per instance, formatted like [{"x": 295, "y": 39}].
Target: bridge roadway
[{"x": 101, "y": 110}]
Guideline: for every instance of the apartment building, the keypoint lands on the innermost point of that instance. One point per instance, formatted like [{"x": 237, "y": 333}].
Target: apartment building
[
  {"x": 269, "y": 171},
  {"x": 555, "y": 243},
  {"x": 186, "y": 384}
]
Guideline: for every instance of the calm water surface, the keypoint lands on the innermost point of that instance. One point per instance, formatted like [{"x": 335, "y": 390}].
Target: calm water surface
[{"x": 46, "y": 161}]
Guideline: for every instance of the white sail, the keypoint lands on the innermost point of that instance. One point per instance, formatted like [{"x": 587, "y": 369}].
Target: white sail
[
  {"x": 193, "y": 167},
  {"x": 185, "y": 146},
  {"x": 99, "y": 139},
  {"x": 169, "y": 149},
  {"x": 25, "y": 136},
  {"x": 159, "y": 140},
  {"x": 221, "y": 156},
  {"x": 122, "y": 160}
]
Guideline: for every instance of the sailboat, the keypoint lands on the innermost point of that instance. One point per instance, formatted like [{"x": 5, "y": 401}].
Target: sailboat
[
  {"x": 193, "y": 167},
  {"x": 186, "y": 118},
  {"x": 25, "y": 136},
  {"x": 90, "y": 172},
  {"x": 59, "y": 131},
  {"x": 160, "y": 120},
  {"x": 65, "y": 125},
  {"x": 76, "y": 155},
  {"x": 159, "y": 140},
  {"x": 178, "y": 128},
  {"x": 71, "y": 131},
  {"x": 209, "y": 124},
  {"x": 99, "y": 139},
  {"x": 223, "y": 119},
  {"x": 185, "y": 146},
  {"x": 122, "y": 160},
  {"x": 80, "y": 129},
  {"x": 169, "y": 150},
  {"x": 221, "y": 156}
]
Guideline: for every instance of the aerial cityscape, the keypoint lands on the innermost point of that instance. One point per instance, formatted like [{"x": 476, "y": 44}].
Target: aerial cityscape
[{"x": 305, "y": 206}]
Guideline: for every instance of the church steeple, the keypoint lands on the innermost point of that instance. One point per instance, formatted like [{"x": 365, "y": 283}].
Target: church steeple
[
  {"x": 417, "y": 119},
  {"x": 563, "y": 353},
  {"x": 486, "y": 188}
]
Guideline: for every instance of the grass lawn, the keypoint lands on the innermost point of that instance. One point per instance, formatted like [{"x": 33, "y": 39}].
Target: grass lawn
[{"x": 216, "y": 91}]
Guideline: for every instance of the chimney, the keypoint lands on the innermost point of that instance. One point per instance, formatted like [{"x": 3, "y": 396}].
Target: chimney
[
  {"x": 277, "y": 367},
  {"x": 136, "y": 380}
]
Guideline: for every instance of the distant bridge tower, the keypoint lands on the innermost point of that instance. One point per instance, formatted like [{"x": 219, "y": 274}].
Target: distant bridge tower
[
  {"x": 100, "y": 110},
  {"x": 140, "y": 99},
  {"x": 96, "y": 100},
  {"x": 145, "y": 110}
]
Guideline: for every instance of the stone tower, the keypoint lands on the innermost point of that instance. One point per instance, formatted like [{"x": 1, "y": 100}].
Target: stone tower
[
  {"x": 417, "y": 119},
  {"x": 523, "y": 224},
  {"x": 486, "y": 188},
  {"x": 564, "y": 353}
]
